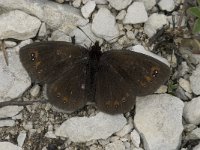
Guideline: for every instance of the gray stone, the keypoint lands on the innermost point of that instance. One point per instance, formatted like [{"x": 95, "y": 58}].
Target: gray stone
[
  {"x": 116, "y": 145},
  {"x": 43, "y": 30},
  {"x": 191, "y": 111},
  {"x": 183, "y": 68},
  {"x": 35, "y": 90},
  {"x": 60, "y": 36},
  {"x": 149, "y": 4},
  {"x": 119, "y": 4},
  {"x": 135, "y": 138},
  {"x": 63, "y": 17},
  {"x": 195, "y": 134},
  {"x": 21, "y": 138},
  {"x": 185, "y": 84},
  {"x": 101, "y": 2},
  {"x": 155, "y": 22},
  {"x": 158, "y": 119},
  {"x": 9, "y": 146},
  {"x": 121, "y": 15},
  {"x": 76, "y": 3},
  {"x": 136, "y": 13},
  {"x": 18, "y": 25},
  {"x": 9, "y": 44},
  {"x": 104, "y": 25},
  {"x": 141, "y": 49},
  {"x": 197, "y": 147},
  {"x": 126, "y": 129},
  {"x": 82, "y": 129},
  {"x": 9, "y": 111},
  {"x": 88, "y": 8},
  {"x": 195, "y": 80},
  {"x": 15, "y": 78},
  {"x": 162, "y": 89},
  {"x": 7, "y": 123},
  {"x": 167, "y": 5},
  {"x": 50, "y": 134}
]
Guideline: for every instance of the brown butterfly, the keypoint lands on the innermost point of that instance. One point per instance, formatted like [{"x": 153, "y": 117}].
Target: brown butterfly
[{"x": 75, "y": 75}]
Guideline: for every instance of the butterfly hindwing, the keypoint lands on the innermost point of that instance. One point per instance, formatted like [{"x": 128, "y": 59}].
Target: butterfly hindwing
[
  {"x": 144, "y": 73},
  {"x": 113, "y": 93},
  {"x": 69, "y": 91},
  {"x": 45, "y": 60}
]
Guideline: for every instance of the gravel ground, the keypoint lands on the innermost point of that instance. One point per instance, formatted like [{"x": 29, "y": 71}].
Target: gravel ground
[{"x": 169, "y": 119}]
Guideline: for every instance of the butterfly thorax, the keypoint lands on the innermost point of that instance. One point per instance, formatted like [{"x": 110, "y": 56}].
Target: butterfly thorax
[{"x": 94, "y": 57}]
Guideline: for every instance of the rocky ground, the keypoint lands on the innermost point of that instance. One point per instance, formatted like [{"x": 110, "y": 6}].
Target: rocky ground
[{"x": 166, "y": 120}]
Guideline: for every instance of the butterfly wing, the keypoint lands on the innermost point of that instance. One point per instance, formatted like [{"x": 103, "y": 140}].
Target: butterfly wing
[
  {"x": 113, "y": 93},
  {"x": 45, "y": 61},
  {"x": 143, "y": 72},
  {"x": 124, "y": 74},
  {"x": 69, "y": 91}
]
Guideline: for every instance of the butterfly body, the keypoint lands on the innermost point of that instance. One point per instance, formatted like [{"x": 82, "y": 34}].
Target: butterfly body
[{"x": 75, "y": 75}]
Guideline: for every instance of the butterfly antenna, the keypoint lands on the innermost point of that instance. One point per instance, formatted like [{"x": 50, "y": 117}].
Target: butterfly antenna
[
  {"x": 85, "y": 34},
  {"x": 115, "y": 38}
]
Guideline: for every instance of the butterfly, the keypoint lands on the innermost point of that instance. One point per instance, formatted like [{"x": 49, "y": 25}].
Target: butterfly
[{"x": 75, "y": 75}]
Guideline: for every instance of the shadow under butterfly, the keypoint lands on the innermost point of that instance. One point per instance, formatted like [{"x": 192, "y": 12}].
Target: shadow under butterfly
[{"x": 75, "y": 75}]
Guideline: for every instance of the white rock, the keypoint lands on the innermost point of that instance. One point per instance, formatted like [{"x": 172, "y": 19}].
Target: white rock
[
  {"x": 101, "y": 2},
  {"x": 195, "y": 80},
  {"x": 135, "y": 138},
  {"x": 116, "y": 145},
  {"x": 76, "y": 3},
  {"x": 119, "y": 4},
  {"x": 57, "y": 16},
  {"x": 167, "y": 5},
  {"x": 85, "y": 1},
  {"x": 9, "y": 111},
  {"x": 121, "y": 15},
  {"x": 21, "y": 138},
  {"x": 195, "y": 134},
  {"x": 60, "y": 1},
  {"x": 60, "y": 36},
  {"x": 50, "y": 134},
  {"x": 141, "y": 49},
  {"x": 81, "y": 129},
  {"x": 43, "y": 30},
  {"x": 9, "y": 44},
  {"x": 7, "y": 123},
  {"x": 191, "y": 111},
  {"x": 28, "y": 126},
  {"x": 126, "y": 129},
  {"x": 136, "y": 13},
  {"x": 18, "y": 25},
  {"x": 81, "y": 37},
  {"x": 155, "y": 22},
  {"x": 130, "y": 35},
  {"x": 149, "y": 4},
  {"x": 184, "y": 69},
  {"x": 15, "y": 78},
  {"x": 135, "y": 148},
  {"x": 104, "y": 25},
  {"x": 88, "y": 8},
  {"x": 9, "y": 146},
  {"x": 162, "y": 89},
  {"x": 35, "y": 90},
  {"x": 185, "y": 84},
  {"x": 197, "y": 147},
  {"x": 158, "y": 119}
]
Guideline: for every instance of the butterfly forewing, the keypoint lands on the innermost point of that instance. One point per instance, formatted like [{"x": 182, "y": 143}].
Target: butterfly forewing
[
  {"x": 44, "y": 61},
  {"x": 144, "y": 73},
  {"x": 114, "y": 94}
]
